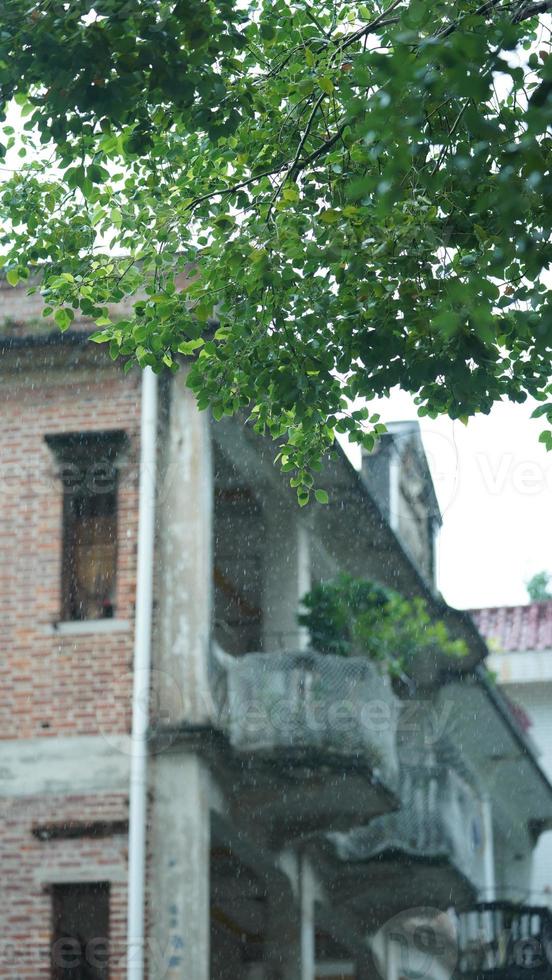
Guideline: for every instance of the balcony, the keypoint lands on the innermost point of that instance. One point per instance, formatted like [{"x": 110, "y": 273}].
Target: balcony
[
  {"x": 502, "y": 941},
  {"x": 431, "y": 847},
  {"x": 312, "y": 739}
]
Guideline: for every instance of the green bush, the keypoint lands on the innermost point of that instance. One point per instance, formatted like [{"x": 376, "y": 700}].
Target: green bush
[{"x": 348, "y": 616}]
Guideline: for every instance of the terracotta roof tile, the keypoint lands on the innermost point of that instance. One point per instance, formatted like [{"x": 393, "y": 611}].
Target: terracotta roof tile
[{"x": 516, "y": 627}]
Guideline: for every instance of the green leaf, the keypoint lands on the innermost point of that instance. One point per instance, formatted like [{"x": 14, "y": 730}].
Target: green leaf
[
  {"x": 188, "y": 347},
  {"x": 12, "y": 275},
  {"x": 330, "y": 216},
  {"x": 64, "y": 318},
  {"x": 325, "y": 84},
  {"x": 321, "y": 496},
  {"x": 101, "y": 336},
  {"x": 225, "y": 221}
]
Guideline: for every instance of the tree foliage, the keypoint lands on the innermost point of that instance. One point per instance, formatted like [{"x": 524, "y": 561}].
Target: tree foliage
[
  {"x": 349, "y": 616},
  {"x": 360, "y": 192},
  {"x": 538, "y": 588}
]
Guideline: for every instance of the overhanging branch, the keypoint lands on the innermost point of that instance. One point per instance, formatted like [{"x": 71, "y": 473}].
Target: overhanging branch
[{"x": 529, "y": 10}]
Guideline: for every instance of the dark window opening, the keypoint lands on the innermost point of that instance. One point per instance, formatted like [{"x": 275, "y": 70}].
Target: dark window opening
[
  {"x": 239, "y": 915},
  {"x": 238, "y": 550},
  {"x": 88, "y": 470},
  {"x": 89, "y": 555},
  {"x": 80, "y": 947}
]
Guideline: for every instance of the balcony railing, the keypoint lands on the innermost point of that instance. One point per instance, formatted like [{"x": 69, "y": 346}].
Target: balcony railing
[
  {"x": 502, "y": 941},
  {"x": 439, "y": 818},
  {"x": 287, "y": 706}
]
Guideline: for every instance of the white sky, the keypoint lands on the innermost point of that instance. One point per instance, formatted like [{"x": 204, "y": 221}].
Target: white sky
[{"x": 494, "y": 484}]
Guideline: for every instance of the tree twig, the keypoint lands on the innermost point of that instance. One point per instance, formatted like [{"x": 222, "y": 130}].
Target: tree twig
[
  {"x": 235, "y": 187},
  {"x": 380, "y": 21},
  {"x": 290, "y": 172},
  {"x": 453, "y": 129},
  {"x": 325, "y": 148}
]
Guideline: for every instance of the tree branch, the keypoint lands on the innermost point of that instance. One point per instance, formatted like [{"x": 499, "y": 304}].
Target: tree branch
[
  {"x": 296, "y": 166},
  {"x": 525, "y": 11},
  {"x": 235, "y": 187},
  {"x": 380, "y": 21},
  {"x": 291, "y": 170},
  {"x": 485, "y": 8},
  {"x": 528, "y": 10},
  {"x": 325, "y": 148},
  {"x": 305, "y": 136}
]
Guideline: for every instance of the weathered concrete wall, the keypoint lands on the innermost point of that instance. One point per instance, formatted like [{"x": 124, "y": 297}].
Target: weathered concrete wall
[
  {"x": 398, "y": 479},
  {"x": 535, "y": 696},
  {"x": 71, "y": 764},
  {"x": 287, "y": 577},
  {"x": 179, "y": 936},
  {"x": 184, "y": 580},
  {"x": 412, "y": 520}
]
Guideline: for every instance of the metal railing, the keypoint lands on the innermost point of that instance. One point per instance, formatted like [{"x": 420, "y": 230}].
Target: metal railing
[{"x": 506, "y": 940}]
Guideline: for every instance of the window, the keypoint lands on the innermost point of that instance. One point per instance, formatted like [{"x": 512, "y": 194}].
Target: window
[
  {"x": 238, "y": 570},
  {"x": 80, "y": 947},
  {"x": 88, "y": 470}
]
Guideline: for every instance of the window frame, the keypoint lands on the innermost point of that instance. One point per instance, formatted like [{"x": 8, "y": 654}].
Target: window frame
[{"x": 88, "y": 462}]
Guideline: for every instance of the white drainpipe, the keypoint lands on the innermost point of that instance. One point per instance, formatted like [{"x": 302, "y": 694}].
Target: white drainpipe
[{"x": 141, "y": 680}]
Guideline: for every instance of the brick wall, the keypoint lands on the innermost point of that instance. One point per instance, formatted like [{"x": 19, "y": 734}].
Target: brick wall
[
  {"x": 54, "y": 684},
  {"x": 30, "y": 866},
  {"x": 21, "y": 314},
  {"x": 51, "y": 683}
]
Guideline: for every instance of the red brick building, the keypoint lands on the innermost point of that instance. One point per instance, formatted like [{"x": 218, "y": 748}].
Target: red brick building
[
  {"x": 245, "y": 878},
  {"x": 63, "y": 679}
]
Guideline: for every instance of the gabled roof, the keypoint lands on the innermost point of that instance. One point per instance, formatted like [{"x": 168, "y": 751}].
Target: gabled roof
[{"x": 516, "y": 627}]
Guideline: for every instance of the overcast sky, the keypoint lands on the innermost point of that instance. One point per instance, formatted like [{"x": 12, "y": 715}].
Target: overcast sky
[{"x": 494, "y": 484}]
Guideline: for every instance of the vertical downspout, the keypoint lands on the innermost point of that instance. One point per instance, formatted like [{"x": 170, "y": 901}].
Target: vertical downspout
[{"x": 141, "y": 680}]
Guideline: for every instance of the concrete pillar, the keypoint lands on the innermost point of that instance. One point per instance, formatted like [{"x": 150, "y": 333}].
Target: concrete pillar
[
  {"x": 282, "y": 953},
  {"x": 184, "y": 568},
  {"x": 394, "y": 488},
  {"x": 392, "y": 954},
  {"x": 489, "y": 861},
  {"x": 489, "y": 876},
  {"x": 287, "y": 578},
  {"x": 178, "y": 945},
  {"x": 365, "y": 969},
  {"x": 290, "y": 943},
  {"x": 308, "y": 911}
]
